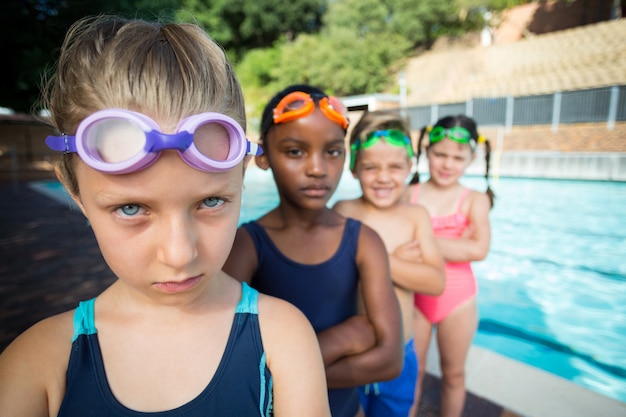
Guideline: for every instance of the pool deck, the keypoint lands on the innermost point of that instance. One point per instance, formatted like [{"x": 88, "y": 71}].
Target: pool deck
[{"x": 49, "y": 260}]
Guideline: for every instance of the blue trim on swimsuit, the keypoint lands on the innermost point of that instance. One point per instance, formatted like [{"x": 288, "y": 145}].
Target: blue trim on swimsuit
[{"x": 243, "y": 365}]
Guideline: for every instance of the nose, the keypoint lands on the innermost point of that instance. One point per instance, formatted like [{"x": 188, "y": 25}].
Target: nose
[
  {"x": 316, "y": 165},
  {"x": 383, "y": 175},
  {"x": 447, "y": 163},
  {"x": 178, "y": 242}
]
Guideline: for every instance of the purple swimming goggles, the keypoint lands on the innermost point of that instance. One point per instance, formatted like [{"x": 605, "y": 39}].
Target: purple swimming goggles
[{"x": 117, "y": 141}]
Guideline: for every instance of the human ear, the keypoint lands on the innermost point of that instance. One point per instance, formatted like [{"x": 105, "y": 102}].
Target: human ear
[{"x": 262, "y": 162}]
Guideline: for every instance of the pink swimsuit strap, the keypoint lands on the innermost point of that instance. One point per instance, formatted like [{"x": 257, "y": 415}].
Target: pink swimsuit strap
[{"x": 456, "y": 220}]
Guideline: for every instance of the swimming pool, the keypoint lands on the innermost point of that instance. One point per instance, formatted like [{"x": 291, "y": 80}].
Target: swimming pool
[{"x": 552, "y": 292}]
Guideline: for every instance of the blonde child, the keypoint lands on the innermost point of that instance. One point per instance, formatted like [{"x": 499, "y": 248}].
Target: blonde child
[
  {"x": 381, "y": 160},
  {"x": 154, "y": 153},
  {"x": 307, "y": 254},
  {"x": 460, "y": 219}
]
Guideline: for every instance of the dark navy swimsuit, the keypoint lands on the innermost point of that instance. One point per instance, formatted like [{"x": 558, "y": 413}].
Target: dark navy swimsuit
[
  {"x": 326, "y": 293},
  {"x": 241, "y": 386}
]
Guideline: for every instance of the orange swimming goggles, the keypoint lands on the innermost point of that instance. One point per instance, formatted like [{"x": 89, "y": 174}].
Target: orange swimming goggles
[{"x": 298, "y": 104}]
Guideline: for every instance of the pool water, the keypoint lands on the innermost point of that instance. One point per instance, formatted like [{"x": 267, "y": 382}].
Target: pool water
[{"x": 552, "y": 291}]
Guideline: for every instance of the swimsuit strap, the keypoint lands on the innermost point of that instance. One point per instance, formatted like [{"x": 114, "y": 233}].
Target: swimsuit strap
[
  {"x": 249, "y": 300},
  {"x": 462, "y": 198},
  {"x": 84, "y": 322},
  {"x": 464, "y": 195}
]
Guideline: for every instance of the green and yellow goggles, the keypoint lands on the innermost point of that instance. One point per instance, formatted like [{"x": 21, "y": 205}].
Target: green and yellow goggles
[
  {"x": 457, "y": 133},
  {"x": 391, "y": 136}
]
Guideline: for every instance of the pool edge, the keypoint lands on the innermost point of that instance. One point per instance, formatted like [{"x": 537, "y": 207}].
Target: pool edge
[{"x": 526, "y": 390}]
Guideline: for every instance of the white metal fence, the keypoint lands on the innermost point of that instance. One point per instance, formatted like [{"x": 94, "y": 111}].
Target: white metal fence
[{"x": 604, "y": 104}]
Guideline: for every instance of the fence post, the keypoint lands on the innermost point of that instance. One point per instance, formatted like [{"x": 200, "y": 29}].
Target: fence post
[
  {"x": 556, "y": 111},
  {"x": 469, "y": 108},
  {"x": 613, "y": 101},
  {"x": 508, "y": 122},
  {"x": 434, "y": 110}
]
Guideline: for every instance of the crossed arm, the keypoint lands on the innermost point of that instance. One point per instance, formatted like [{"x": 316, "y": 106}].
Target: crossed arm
[
  {"x": 418, "y": 265},
  {"x": 365, "y": 348}
]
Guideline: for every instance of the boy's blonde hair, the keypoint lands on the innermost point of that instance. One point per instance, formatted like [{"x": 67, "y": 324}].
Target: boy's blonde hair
[
  {"x": 372, "y": 121},
  {"x": 165, "y": 70}
]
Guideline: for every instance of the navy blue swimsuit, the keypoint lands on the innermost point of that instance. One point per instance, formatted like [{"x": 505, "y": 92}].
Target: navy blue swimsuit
[
  {"x": 241, "y": 386},
  {"x": 326, "y": 293}
]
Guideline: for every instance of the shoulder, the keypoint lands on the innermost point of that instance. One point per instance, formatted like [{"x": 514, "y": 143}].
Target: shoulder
[
  {"x": 477, "y": 200},
  {"x": 275, "y": 312},
  {"x": 242, "y": 234},
  {"x": 242, "y": 260},
  {"x": 36, "y": 361},
  {"x": 54, "y": 332},
  {"x": 346, "y": 208},
  {"x": 281, "y": 322},
  {"x": 419, "y": 215},
  {"x": 370, "y": 245}
]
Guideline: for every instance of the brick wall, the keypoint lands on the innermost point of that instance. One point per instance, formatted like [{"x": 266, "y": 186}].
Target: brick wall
[{"x": 583, "y": 137}]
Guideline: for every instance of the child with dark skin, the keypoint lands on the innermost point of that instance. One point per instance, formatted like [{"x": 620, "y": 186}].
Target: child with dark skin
[{"x": 320, "y": 261}]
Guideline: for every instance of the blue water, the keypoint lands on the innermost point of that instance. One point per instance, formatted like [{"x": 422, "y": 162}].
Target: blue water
[{"x": 552, "y": 292}]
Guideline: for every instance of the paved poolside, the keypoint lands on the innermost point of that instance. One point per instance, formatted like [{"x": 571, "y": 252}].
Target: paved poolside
[{"x": 49, "y": 260}]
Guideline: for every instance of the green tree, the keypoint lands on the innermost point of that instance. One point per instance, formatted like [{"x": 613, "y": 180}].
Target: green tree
[
  {"x": 356, "y": 52},
  {"x": 241, "y": 25},
  {"x": 32, "y": 32}
]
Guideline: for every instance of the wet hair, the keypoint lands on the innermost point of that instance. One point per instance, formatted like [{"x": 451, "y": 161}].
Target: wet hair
[
  {"x": 267, "y": 119},
  {"x": 371, "y": 121},
  {"x": 469, "y": 124},
  {"x": 166, "y": 71}
]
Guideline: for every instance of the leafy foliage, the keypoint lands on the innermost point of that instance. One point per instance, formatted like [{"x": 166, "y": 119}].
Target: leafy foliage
[
  {"x": 33, "y": 30},
  {"x": 346, "y": 47},
  {"x": 241, "y": 25}
]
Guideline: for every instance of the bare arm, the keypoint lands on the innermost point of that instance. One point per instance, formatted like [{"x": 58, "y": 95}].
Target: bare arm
[
  {"x": 384, "y": 360},
  {"x": 32, "y": 369},
  {"x": 294, "y": 358},
  {"x": 418, "y": 265},
  {"x": 475, "y": 246},
  {"x": 353, "y": 336},
  {"x": 242, "y": 261}
]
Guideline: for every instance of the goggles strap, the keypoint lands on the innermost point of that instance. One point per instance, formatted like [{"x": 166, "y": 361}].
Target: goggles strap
[
  {"x": 253, "y": 149},
  {"x": 63, "y": 143}
]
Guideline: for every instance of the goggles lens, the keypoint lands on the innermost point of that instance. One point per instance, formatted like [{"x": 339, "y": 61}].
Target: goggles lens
[
  {"x": 118, "y": 141},
  {"x": 392, "y": 136},
  {"x": 298, "y": 104},
  {"x": 114, "y": 140},
  {"x": 457, "y": 134}
]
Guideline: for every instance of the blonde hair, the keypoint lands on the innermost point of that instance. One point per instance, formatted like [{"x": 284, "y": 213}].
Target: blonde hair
[
  {"x": 165, "y": 70},
  {"x": 371, "y": 121}
]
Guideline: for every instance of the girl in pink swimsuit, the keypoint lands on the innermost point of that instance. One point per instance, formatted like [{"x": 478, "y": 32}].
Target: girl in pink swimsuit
[{"x": 460, "y": 219}]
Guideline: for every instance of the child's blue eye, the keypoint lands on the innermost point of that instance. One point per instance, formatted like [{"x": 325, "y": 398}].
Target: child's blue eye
[
  {"x": 213, "y": 202},
  {"x": 129, "y": 209}
]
